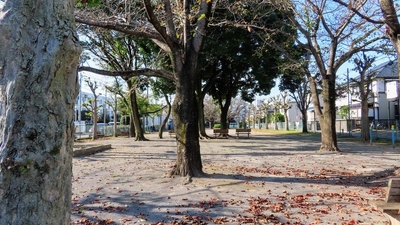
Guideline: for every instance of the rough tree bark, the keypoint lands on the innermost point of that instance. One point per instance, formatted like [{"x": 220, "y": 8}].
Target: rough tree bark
[
  {"x": 39, "y": 52},
  {"x": 392, "y": 23},
  {"x": 328, "y": 120},
  {"x": 184, "y": 108}
]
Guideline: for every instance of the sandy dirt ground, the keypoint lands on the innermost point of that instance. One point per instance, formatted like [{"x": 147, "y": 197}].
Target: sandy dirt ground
[{"x": 264, "y": 179}]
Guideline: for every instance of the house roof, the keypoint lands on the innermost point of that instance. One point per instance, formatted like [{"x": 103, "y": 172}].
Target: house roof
[{"x": 386, "y": 70}]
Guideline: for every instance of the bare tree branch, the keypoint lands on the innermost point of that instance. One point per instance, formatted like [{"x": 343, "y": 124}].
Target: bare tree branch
[{"x": 132, "y": 73}]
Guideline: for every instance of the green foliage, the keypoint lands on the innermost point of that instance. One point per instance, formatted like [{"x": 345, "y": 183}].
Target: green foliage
[
  {"x": 162, "y": 87},
  {"x": 344, "y": 111},
  {"x": 279, "y": 117},
  {"x": 217, "y": 126},
  {"x": 123, "y": 108},
  {"x": 124, "y": 120},
  {"x": 236, "y": 59},
  {"x": 145, "y": 107}
]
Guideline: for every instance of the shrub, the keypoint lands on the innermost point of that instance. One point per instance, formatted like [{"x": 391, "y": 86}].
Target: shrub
[{"x": 217, "y": 126}]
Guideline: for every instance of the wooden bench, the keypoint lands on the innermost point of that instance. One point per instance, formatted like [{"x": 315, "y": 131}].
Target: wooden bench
[
  {"x": 391, "y": 205},
  {"x": 171, "y": 132},
  {"x": 220, "y": 131},
  {"x": 239, "y": 131}
]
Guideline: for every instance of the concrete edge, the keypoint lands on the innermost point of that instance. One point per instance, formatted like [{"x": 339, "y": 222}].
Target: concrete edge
[{"x": 84, "y": 151}]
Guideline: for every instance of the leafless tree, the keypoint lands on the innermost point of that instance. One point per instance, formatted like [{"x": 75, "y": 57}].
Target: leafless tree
[
  {"x": 211, "y": 110},
  {"x": 331, "y": 34},
  {"x": 363, "y": 66},
  {"x": 237, "y": 109},
  {"x": 285, "y": 106},
  {"x": 388, "y": 16},
  {"x": 93, "y": 87}
]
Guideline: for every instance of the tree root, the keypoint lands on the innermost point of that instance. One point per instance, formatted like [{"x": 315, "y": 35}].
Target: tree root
[{"x": 329, "y": 149}]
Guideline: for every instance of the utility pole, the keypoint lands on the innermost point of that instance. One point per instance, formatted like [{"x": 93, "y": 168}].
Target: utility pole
[
  {"x": 80, "y": 99},
  {"x": 105, "y": 104},
  {"x": 348, "y": 101}
]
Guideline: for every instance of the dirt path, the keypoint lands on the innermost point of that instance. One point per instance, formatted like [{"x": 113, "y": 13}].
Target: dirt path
[{"x": 262, "y": 180}]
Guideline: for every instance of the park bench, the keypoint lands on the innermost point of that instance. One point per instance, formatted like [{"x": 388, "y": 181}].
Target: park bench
[
  {"x": 171, "y": 132},
  {"x": 220, "y": 131},
  {"x": 245, "y": 131},
  {"x": 391, "y": 205}
]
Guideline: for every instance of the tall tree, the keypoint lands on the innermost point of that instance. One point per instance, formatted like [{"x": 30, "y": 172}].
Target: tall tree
[
  {"x": 118, "y": 53},
  {"x": 239, "y": 68},
  {"x": 237, "y": 60},
  {"x": 389, "y": 16},
  {"x": 332, "y": 35},
  {"x": 178, "y": 27},
  {"x": 295, "y": 81},
  {"x": 299, "y": 91},
  {"x": 39, "y": 52}
]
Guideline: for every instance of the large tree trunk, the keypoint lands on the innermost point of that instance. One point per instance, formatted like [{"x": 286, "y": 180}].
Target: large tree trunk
[
  {"x": 328, "y": 120},
  {"x": 185, "y": 116},
  {"x": 38, "y": 86}
]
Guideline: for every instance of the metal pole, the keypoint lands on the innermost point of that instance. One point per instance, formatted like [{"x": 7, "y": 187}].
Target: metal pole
[
  {"x": 80, "y": 99},
  {"x": 393, "y": 137},
  {"x": 348, "y": 101},
  {"x": 370, "y": 135},
  {"x": 105, "y": 99},
  {"x": 315, "y": 123},
  {"x": 389, "y": 114}
]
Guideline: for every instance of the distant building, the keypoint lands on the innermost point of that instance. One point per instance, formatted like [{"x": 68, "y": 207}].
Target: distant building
[{"x": 101, "y": 101}]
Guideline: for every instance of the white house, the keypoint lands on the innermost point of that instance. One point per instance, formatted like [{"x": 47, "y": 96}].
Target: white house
[{"x": 384, "y": 99}]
